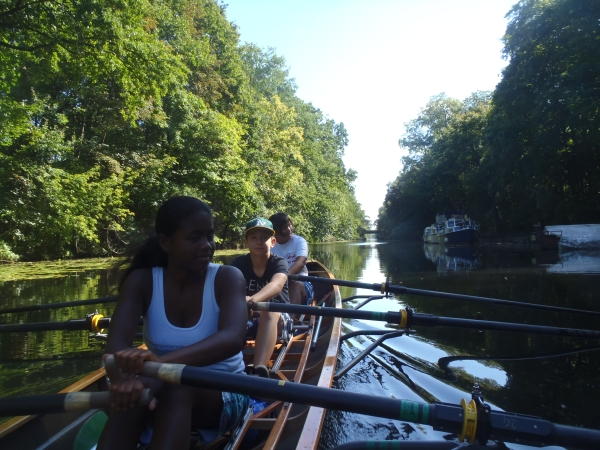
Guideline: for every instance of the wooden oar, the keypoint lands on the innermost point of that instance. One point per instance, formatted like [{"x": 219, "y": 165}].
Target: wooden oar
[
  {"x": 406, "y": 319},
  {"x": 395, "y": 289},
  {"x": 59, "y": 403},
  {"x": 458, "y": 419}
]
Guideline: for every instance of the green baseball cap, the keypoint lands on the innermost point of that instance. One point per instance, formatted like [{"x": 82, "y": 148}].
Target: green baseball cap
[{"x": 259, "y": 222}]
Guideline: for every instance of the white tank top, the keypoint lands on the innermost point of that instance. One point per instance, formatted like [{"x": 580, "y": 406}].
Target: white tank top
[{"x": 161, "y": 337}]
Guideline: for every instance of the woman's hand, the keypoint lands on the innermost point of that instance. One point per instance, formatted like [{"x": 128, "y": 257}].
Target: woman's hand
[
  {"x": 131, "y": 360},
  {"x": 125, "y": 386},
  {"x": 125, "y": 393}
]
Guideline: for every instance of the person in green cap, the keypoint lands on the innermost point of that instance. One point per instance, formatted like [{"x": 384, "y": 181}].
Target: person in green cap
[{"x": 266, "y": 281}]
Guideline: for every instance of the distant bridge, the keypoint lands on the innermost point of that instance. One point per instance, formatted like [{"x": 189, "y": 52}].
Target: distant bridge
[{"x": 362, "y": 233}]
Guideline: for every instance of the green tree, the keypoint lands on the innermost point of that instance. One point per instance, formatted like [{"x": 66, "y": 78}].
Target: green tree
[
  {"x": 545, "y": 127},
  {"x": 443, "y": 170},
  {"x": 109, "y": 107}
]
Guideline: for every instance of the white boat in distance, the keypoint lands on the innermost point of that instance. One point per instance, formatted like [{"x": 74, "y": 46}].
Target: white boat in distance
[{"x": 451, "y": 229}]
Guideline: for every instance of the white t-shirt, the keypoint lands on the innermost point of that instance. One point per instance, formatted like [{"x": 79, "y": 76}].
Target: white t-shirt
[{"x": 291, "y": 250}]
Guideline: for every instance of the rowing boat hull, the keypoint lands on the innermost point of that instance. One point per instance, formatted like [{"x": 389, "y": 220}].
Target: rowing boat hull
[
  {"x": 286, "y": 427},
  {"x": 299, "y": 426}
]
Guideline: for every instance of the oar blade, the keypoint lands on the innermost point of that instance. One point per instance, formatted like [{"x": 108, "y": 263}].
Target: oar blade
[{"x": 89, "y": 434}]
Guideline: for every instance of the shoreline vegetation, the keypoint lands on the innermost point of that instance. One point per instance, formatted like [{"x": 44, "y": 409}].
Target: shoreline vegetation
[
  {"x": 109, "y": 108},
  {"x": 528, "y": 152}
]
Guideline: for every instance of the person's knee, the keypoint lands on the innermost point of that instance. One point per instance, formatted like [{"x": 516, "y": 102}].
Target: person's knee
[
  {"x": 175, "y": 394},
  {"x": 267, "y": 317},
  {"x": 297, "y": 292}
]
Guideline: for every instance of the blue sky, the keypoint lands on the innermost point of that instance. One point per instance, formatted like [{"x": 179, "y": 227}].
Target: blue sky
[{"x": 374, "y": 64}]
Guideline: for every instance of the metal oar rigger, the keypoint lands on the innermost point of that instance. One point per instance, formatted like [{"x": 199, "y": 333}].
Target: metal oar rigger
[
  {"x": 386, "y": 288},
  {"x": 472, "y": 420}
]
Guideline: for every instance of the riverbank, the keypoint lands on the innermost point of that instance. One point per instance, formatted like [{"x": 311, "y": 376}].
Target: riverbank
[{"x": 64, "y": 267}]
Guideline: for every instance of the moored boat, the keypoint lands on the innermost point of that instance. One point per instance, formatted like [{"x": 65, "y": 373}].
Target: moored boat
[
  {"x": 432, "y": 234},
  {"x": 307, "y": 356},
  {"x": 545, "y": 239},
  {"x": 455, "y": 229}
]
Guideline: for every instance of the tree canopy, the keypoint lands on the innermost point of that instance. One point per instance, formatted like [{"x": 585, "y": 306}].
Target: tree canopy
[
  {"x": 109, "y": 107},
  {"x": 526, "y": 153}
]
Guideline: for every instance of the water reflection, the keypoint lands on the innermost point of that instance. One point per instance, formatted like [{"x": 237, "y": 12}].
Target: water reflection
[
  {"x": 452, "y": 259},
  {"x": 580, "y": 261},
  {"x": 546, "y": 258},
  {"x": 559, "y": 389},
  {"x": 556, "y": 386},
  {"x": 466, "y": 258}
]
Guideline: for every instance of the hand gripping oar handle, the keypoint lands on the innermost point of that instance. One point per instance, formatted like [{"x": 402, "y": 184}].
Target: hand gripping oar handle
[
  {"x": 395, "y": 289},
  {"x": 449, "y": 418},
  {"x": 60, "y": 403},
  {"x": 406, "y": 318}
]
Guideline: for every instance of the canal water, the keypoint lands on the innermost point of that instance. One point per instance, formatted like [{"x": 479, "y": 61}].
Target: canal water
[{"x": 552, "y": 377}]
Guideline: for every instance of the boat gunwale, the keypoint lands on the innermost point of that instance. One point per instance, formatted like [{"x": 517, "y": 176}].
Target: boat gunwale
[{"x": 294, "y": 422}]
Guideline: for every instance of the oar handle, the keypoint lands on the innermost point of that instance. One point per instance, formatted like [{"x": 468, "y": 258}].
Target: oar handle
[
  {"x": 162, "y": 371},
  {"x": 60, "y": 403}
]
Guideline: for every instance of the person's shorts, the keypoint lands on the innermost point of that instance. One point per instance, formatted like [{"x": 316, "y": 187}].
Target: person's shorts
[
  {"x": 310, "y": 292},
  {"x": 284, "y": 327},
  {"x": 234, "y": 409}
]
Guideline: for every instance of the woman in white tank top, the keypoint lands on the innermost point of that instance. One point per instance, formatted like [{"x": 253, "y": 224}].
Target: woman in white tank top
[{"x": 194, "y": 314}]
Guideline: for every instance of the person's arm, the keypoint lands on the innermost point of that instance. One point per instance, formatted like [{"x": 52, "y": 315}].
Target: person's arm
[
  {"x": 273, "y": 288},
  {"x": 130, "y": 307},
  {"x": 298, "y": 265},
  {"x": 124, "y": 323}
]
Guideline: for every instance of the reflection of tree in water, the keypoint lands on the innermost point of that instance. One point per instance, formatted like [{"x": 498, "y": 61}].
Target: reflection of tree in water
[
  {"x": 557, "y": 388},
  {"x": 345, "y": 261}
]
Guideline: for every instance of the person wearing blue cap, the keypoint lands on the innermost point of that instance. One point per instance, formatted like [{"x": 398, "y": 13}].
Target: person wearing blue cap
[{"x": 266, "y": 281}]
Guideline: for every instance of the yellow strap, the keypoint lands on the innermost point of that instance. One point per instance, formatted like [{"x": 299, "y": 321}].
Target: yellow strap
[
  {"x": 383, "y": 287},
  {"x": 403, "y": 318},
  {"x": 469, "y": 428},
  {"x": 95, "y": 326}
]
